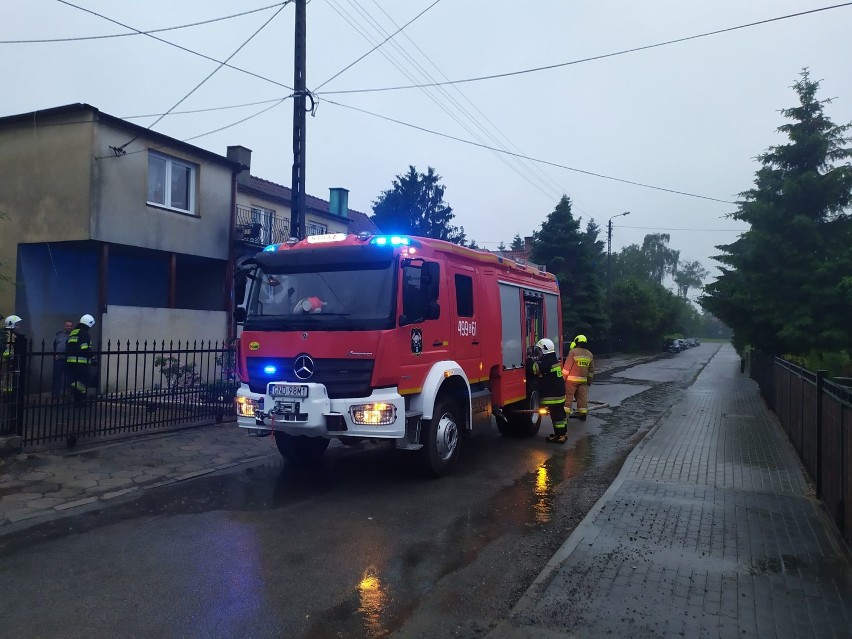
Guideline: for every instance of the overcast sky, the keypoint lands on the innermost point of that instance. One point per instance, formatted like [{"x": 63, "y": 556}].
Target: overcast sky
[{"x": 689, "y": 116}]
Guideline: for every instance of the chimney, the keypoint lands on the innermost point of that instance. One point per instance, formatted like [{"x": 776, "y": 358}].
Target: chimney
[
  {"x": 338, "y": 202},
  {"x": 241, "y": 155},
  {"x": 528, "y": 243}
]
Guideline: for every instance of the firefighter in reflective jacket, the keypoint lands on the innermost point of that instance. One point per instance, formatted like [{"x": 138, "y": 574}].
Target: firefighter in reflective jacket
[
  {"x": 78, "y": 358},
  {"x": 578, "y": 372},
  {"x": 548, "y": 368},
  {"x": 9, "y": 371}
]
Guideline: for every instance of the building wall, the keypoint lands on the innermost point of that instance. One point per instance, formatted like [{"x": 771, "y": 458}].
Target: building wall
[
  {"x": 121, "y": 214},
  {"x": 45, "y": 189},
  {"x": 57, "y": 281},
  {"x": 129, "y": 328},
  {"x": 122, "y": 323}
]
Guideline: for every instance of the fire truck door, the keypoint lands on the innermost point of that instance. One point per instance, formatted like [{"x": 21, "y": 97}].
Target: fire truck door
[
  {"x": 424, "y": 327},
  {"x": 464, "y": 297}
]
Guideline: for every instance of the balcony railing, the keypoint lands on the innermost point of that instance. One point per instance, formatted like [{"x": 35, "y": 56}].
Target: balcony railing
[{"x": 260, "y": 227}]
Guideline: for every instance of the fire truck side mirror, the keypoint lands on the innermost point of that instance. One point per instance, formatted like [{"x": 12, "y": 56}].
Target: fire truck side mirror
[
  {"x": 240, "y": 314},
  {"x": 433, "y": 311}
]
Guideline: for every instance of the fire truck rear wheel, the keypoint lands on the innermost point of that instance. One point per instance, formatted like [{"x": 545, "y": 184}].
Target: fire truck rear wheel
[
  {"x": 441, "y": 437},
  {"x": 522, "y": 424},
  {"x": 300, "y": 450}
]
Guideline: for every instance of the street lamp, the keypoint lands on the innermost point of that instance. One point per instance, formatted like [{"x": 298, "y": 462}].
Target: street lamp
[{"x": 608, "y": 278}]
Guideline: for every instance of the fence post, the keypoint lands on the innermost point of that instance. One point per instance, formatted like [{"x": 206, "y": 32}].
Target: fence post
[{"x": 820, "y": 388}]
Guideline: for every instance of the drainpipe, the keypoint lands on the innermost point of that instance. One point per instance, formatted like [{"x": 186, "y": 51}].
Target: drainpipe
[{"x": 229, "y": 268}]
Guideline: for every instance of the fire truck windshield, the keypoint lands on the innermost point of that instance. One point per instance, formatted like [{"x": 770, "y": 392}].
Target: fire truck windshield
[{"x": 289, "y": 293}]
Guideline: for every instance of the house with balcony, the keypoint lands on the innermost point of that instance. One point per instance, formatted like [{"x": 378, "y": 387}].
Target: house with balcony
[
  {"x": 105, "y": 217},
  {"x": 264, "y": 208},
  {"x": 142, "y": 231}
]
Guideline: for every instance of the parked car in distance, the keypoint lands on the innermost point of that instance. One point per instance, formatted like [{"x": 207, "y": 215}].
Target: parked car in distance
[{"x": 674, "y": 345}]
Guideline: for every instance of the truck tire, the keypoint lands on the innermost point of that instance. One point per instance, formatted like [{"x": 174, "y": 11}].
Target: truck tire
[
  {"x": 518, "y": 424},
  {"x": 441, "y": 438},
  {"x": 300, "y": 450}
]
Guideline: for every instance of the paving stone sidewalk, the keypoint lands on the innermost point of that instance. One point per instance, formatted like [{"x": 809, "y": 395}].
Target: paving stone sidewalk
[
  {"x": 39, "y": 486},
  {"x": 710, "y": 530}
]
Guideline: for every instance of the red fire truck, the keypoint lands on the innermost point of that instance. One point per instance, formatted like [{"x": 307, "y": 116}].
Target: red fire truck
[{"x": 376, "y": 337}]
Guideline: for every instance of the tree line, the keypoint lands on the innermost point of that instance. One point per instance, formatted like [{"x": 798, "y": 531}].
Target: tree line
[
  {"x": 641, "y": 310},
  {"x": 783, "y": 287}
]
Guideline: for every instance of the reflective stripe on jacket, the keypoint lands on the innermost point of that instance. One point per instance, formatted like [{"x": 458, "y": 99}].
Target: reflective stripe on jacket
[
  {"x": 549, "y": 369},
  {"x": 579, "y": 365},
  {"x": 79, "y": 345}
]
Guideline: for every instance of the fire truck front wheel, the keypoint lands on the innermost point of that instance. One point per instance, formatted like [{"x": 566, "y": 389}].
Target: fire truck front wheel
[
  {"x": 441, "y": 437},
  {"x": 300, "y": 450}
]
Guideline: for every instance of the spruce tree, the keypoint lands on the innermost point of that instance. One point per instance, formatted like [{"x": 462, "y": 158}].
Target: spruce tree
[
  {"x": 781, "y": 287},
  {"x": 574, "y": 257}
]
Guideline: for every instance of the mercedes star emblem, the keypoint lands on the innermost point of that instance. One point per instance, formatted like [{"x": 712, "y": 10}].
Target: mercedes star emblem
[{"x": 303, "y": 367}]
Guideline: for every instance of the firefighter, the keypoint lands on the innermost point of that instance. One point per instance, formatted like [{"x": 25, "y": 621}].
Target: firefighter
[
  {"x": 578, "y": 372},
  {"x": 11, "y": 348},
  {"x": 78, "y": 358},
  {"x": 548, "y": 368}
]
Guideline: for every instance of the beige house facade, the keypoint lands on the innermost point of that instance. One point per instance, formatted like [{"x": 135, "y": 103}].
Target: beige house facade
[{"x": 138, "y": 229}]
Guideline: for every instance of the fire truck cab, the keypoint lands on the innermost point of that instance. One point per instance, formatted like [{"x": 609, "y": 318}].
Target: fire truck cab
[{"x": 399, "y": 338}]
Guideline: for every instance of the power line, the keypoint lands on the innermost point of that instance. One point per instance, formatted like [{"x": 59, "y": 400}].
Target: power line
[
  {"x": 210, "y": 75},
  {"x": 526, "y": 157},
  {"x": 592, "y": 58},
  {"x": 542, "y": 177},
  {"x": 177, "y": 46},
  {"x": 349, "y": 66},
  {"x": 135, "y": 33},
  {"x": 207, "y": 110},
  {"x": 194, "y": 137},
  {"x": 455, "y": 112}
]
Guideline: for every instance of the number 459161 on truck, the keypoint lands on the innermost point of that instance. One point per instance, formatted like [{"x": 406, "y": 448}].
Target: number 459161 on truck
[{"x": 406, "y": 339}]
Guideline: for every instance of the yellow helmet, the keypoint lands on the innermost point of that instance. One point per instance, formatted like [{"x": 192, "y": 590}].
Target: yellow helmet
[{"x": 580, "y": 339}]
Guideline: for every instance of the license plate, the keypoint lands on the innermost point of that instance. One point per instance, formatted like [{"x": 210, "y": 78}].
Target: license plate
[{"x": 288, "y": 390}]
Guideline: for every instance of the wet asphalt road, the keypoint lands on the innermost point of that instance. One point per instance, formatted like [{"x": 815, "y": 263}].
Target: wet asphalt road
[{"x": 363, "y": 547}]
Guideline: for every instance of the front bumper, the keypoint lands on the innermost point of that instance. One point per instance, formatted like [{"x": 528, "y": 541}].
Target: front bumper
[{"x": 319, "y": 416}]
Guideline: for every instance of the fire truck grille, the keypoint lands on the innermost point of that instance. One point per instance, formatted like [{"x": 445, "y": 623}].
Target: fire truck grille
[{"x": 342, "y": 377}]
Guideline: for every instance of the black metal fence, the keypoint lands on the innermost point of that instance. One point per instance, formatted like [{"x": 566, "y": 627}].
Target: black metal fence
[
  {"x": 132, "y": 388},
  {"x": 816, "y": 414}
]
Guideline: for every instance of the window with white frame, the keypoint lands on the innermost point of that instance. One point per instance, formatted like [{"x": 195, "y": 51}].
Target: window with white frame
[{"x": 171, "y": 183}]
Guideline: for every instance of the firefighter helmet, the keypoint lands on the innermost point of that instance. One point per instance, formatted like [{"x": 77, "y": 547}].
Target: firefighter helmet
[
  {"x": 580, "y": 339},
  {"x": 12, "y": 321},
  {"x": 545, "y": 345},
  {"x": 88, "y": 320}
]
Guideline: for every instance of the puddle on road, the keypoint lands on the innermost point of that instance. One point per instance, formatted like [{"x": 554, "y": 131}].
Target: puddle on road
[
  {"x": 385, "y": 595},
  {"x": 382, "y": 601}
]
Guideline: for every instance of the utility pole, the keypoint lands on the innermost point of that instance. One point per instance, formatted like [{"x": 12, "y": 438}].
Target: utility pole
[
  {"x": 608, "y": 277},
  {"x": 297, "y": 204}
]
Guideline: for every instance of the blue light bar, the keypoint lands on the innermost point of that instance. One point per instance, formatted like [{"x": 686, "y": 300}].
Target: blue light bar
[
  {"x": 271, "y": 248},
  {"x": 391, "y": 240},
  {"x": 270, "y": 370}
]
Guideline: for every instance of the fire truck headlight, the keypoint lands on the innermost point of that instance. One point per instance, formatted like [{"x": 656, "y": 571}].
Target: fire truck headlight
[
  {"x": 246, "y": 406},
  {"x": 373, "y": 414}
]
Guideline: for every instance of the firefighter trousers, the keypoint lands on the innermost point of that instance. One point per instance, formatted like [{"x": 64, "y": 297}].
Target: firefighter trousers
[
  {"x": 580, "y": 392},
  {"x": 556, "y": 406},
  {"x": 78, "y": 381}
]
